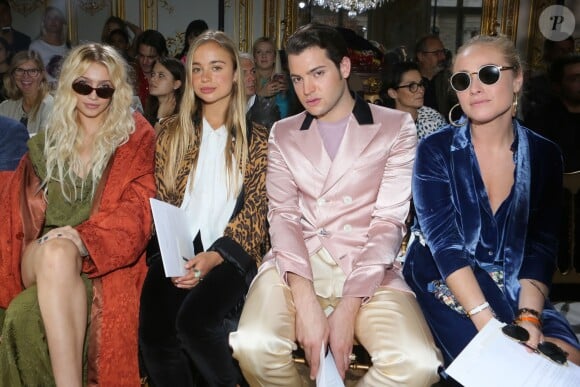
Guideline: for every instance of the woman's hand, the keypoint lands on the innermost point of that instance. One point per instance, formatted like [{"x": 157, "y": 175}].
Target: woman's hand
[
  {"x": 197, "y": 268},
  {"x": 536, "y": 335},
  {"x": 66, "y": 232},
  {"x": 272, "y": 88}
]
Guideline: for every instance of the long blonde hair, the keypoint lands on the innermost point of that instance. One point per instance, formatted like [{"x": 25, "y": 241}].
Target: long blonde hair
[
  {"x": 186, "y": 132},
  {"x": 13, "y": 92},
  {"x": 63, "y": 134}
]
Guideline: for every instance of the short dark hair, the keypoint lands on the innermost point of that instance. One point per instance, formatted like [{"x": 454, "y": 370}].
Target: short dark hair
[
  {"x": 118, "y": 31},
  {"x": 154, "y": 39},
  {"x": 318, "y": 35},
  {"x": 556, "y": 72},
  {"x": 393, "y": 78}
]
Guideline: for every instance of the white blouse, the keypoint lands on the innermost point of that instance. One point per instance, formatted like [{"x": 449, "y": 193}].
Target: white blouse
[{"x": 207, "y": 203}]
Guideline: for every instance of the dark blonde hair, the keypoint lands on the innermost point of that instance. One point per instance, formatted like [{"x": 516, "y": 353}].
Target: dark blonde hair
[
  {"x": 185, "y": 132},
  {"x": 502, "y": 43}
]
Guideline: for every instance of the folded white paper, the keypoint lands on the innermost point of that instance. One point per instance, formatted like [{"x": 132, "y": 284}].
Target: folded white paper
[
  {"x": 493, "y": 359},
  {"x": 174, "y": 236},
  {"x": 328, "y": 375}
]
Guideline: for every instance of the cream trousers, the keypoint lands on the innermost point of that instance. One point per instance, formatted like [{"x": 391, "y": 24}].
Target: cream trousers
[{"x": 390, "y": 326}]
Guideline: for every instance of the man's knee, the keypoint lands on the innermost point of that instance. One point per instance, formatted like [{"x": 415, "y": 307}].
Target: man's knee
[{"x": 409, "y": 366}]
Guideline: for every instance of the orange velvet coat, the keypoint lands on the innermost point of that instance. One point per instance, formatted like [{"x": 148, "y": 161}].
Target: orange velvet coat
[{"x": 115, "y": 235}]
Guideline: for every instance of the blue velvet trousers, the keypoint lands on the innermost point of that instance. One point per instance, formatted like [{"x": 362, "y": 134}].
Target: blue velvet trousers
[{"x": 183, "y": 334}]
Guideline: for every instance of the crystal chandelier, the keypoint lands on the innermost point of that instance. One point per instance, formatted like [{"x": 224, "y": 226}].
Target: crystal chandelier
[{"x": 351, "y": 6}]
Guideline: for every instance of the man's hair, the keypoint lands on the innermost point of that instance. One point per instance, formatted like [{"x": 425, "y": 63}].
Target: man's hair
[
  {"x": 154, "y": 39},
  {"x": 421, "y": 44},
  {"x": 557, "y": 68},
  {"x": 318, "y": 35}
]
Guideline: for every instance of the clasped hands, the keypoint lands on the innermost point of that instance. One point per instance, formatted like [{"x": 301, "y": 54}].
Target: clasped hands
[
  {"x": 314, "y": 329},
  {"x": 197, "y": 268}
]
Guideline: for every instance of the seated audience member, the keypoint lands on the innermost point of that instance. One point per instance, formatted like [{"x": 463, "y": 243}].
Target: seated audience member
[
  {"x": 430, "y": 55},
  {"x": 17, "y": 41},
  {"x": 193, "y": 30},
  {"x": 119, "y": 39},
  {"x": 404, "y": 89},
  {"x": 150, "y": 47},
  {"x": 338, "y": 185},
  {"x": 538, "y": 91},
  {"x": 52, "y": 45},
  {"x": 260, "y": 110},
  {"x": 559, "y": 120},
  {"x": 165, "y": 90},
  {"x": 27, "y": 90},
  {"x": 75, "y": 222},
  {"x": 5, "y": 55},
  {"x": 220, "y": 184},
  {"x": 487, "y": 196},
  {"x": 13, "y": 138},
  {"x": 272, "y": 82},
  {"x": 116, "y": 23}
]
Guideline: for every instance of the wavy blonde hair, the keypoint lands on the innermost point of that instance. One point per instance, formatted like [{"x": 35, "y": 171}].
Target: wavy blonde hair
[
  {"x": 63, "y": 133},
  {"x": 13, "y": 92},
  {"x": 185, "y": 132}
]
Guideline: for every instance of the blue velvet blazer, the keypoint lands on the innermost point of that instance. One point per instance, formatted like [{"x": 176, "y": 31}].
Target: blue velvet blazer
[{"x": 449, "y": 206}]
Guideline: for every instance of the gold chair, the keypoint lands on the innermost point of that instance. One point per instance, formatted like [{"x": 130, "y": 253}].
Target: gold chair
[{"x": 566, "y": 280}]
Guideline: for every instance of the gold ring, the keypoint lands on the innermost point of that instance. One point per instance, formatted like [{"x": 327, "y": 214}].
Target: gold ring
[{"x": 196, "y": 273}]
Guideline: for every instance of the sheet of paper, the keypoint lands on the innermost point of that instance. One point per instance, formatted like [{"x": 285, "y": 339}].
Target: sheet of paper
[
  {"x": 493, "y": 359},
  {"x": 327, "y": 373},
  {"x": 174, "y": 235}
]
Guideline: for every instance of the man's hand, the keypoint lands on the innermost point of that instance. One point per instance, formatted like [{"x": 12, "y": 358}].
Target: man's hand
[
  {"x": 341, "y": 323},
  {"x": 312, "y": 328}
]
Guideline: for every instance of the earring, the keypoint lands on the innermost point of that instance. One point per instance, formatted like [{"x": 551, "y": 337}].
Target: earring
[
  {"x": 515, "y": 105},
  {"x": 457, "y": 123}
]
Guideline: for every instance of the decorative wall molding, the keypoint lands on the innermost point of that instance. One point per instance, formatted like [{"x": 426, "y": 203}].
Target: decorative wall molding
[
  {"x": 244, "y": 25},
  {"x": 26, "y": 7}
]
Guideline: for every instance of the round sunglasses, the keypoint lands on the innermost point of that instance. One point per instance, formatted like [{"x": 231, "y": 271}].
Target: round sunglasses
[
  {"x": 545, "y": 348},
  {"x": 104, "y": 92},
  {"x": 413, "y": 86},
  {"x": 487, "y": 74}
]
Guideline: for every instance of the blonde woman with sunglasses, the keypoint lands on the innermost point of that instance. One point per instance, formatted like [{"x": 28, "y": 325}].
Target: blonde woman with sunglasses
[
  {"x": 487, "y": 198},
  {"x": 75, "y": 222}
]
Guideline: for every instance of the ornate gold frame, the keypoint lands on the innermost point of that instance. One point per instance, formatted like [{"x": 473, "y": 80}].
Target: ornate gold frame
[{"x": 500, "y": 17}]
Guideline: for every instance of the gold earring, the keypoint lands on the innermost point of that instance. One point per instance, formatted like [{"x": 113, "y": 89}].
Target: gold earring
[
  {"x": 457, "y": 123},
  {"x": 515, "y": 105}
]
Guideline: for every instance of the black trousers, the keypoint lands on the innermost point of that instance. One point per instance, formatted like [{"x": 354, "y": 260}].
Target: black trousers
[{"x": 183, "y": 333}]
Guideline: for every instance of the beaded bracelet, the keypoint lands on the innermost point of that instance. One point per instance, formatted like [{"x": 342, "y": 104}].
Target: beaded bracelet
[{"x": 530, "y": 319}]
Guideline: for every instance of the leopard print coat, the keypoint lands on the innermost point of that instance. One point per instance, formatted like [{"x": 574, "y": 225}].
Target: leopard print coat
[{"x": 244, "y": 237}]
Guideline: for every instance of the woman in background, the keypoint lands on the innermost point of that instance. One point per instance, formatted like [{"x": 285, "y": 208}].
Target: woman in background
[
  {"x": 27, "y": 90},
  {"x": 52, "y": 45},
  {"x": 75, "y": 222},
  {"x": 487, "y": 194},
  {"x": 212, "y": 164},
  {"x": 271, "y": 83},
  {"x": 404, "y": 89},
  {"x": 165, "y": 90}
]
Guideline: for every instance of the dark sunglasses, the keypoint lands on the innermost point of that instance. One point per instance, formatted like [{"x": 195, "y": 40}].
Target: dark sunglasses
[
  {"x": 546, "y": 348},
  {"x": 413, "y": 86},
  {"x": 104, "y": 92},
  {"x": 487, "y": 74}
]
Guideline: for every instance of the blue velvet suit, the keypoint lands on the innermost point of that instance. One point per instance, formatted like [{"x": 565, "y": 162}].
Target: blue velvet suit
[{"x": 457, "y": 228}]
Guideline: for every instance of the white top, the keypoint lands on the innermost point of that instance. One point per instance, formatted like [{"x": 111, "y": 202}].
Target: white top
[
  {"x": 207, "y": 205},
  {"x": 52, "y": 57},
  {"x": 12, "y": 108}
]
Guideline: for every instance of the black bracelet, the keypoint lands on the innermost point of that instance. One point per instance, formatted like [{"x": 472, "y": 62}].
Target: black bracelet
[{"x": 533, "y": 312}]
